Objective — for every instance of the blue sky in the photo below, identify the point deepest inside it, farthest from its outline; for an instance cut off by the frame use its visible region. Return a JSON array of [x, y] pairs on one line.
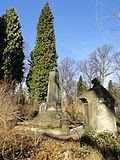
[[80, 25]]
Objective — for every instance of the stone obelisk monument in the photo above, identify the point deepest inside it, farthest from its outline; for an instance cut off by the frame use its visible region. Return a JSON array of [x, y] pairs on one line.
[[50, 117], [53, 94]]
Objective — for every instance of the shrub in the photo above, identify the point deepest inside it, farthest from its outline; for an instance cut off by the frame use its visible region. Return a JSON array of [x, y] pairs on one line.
[[8, 113], [17, 146], [118, 124], [20, 145], [79, 152], [105, 142], [8, 109], [75, 113]]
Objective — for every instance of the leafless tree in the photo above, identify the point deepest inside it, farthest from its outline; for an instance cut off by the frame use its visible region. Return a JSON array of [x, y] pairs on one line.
[[116, 95], [67, 73], [117, 66], [86, 70], [102, 59], [99, 64]]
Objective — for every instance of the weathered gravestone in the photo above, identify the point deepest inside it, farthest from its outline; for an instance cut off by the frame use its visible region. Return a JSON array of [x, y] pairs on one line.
[[50, 114], [53, 94], [99, 109]]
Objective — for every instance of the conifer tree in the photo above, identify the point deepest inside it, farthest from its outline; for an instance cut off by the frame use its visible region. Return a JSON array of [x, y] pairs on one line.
[[43, 57], [13, 55], [111, 88], [2, 43], [81, 87]]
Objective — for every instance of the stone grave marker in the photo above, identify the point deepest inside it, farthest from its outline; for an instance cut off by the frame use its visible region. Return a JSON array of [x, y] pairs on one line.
[[99, 109]]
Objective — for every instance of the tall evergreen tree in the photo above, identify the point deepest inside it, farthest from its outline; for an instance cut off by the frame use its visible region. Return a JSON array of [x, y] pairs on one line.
[[43, 57], [111, 88], [2, 42], [81, 87], [13, 55]]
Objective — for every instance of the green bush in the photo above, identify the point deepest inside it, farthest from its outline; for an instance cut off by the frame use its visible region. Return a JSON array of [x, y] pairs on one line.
[[104, 142], [118, 124], [79, 152]]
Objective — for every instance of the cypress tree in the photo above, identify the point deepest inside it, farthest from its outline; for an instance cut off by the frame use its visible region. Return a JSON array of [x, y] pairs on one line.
[[111, 88], [43, 57], [13, 55], [81, 87], [2, 42]]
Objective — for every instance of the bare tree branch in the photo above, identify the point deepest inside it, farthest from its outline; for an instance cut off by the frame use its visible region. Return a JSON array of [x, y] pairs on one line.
[[67, 72], [99, 64]]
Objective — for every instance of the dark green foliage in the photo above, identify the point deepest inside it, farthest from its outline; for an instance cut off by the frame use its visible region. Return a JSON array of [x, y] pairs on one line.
[[81, 87], [111, 88], [43, 57], [105, 142], [114, 90], [2, 42], [118, 126], [78, 153], [12, 51]]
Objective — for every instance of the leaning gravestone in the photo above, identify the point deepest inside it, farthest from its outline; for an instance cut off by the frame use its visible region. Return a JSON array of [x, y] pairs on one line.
[[99, 109], [50, 117]]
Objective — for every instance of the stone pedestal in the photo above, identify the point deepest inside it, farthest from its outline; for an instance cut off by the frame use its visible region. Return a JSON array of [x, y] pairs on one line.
[[50, 120]]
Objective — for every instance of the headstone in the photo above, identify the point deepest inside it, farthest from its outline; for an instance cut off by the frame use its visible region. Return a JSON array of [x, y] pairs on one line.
[[42, 107], [53, 94], [99, 109]]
